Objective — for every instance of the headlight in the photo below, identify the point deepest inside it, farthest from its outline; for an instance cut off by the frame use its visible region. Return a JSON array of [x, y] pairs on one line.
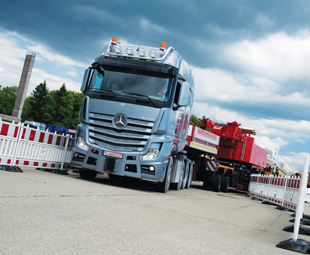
[[152, 153], [80, 142]]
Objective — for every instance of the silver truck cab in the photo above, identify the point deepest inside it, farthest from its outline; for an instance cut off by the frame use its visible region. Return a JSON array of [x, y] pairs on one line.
[[135, 114]]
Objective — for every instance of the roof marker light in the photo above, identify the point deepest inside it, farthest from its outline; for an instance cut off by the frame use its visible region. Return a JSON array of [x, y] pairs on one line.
[[117, 48], [114, 39], [129, 50], [153, 53], [163, 46], [141, 52]]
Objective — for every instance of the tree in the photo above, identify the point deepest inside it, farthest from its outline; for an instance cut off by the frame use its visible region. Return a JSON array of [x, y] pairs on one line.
[[195, 121], [7, 99], [26, 110], [64, 107], [38, 102], [78, 98], [57, 107]]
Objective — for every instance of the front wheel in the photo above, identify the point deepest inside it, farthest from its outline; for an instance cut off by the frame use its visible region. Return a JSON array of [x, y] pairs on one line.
[[87, 174], [165, 185]]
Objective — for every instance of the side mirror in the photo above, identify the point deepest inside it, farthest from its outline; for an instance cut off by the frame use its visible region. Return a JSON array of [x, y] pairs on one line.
[[85, 80], [184, 94]]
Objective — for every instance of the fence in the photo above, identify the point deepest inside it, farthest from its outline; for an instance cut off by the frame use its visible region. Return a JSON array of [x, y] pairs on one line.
[[25, 146], [282, 191]]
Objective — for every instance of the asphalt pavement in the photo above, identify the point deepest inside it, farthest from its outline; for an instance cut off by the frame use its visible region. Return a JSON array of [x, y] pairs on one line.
[[47, 213]]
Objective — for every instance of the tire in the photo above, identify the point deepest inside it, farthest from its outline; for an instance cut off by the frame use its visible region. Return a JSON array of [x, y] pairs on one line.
[[217, 183], [190, 176], [179, 184], [88, 174], [185, 178], [209, 180], [225, 185], [165, 185]]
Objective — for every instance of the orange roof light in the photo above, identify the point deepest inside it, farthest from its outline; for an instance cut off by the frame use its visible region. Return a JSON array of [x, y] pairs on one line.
[[163, 45], [114, 39]]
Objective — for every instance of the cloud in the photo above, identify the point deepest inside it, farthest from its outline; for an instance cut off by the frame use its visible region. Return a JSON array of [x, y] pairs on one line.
[[13, 49], [278, 56], [48, 55], [72, 73], [53, 82], [294, 160], [249, 94], [11, 60], [286, 130], [272, 144], [148, 26], [263, 20]]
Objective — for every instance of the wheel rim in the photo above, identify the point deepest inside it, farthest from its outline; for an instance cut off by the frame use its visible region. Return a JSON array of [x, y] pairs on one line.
[[168, 177]]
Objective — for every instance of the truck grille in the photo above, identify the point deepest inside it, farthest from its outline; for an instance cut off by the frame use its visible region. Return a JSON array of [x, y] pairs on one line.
[[132, 138]]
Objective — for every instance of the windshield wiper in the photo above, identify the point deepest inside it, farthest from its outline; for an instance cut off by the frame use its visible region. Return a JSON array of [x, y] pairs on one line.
[[108, 90], [141, 95]]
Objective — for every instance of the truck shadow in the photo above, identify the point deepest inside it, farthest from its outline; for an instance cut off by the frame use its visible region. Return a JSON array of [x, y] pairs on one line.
[[232, 191], [123, 182]]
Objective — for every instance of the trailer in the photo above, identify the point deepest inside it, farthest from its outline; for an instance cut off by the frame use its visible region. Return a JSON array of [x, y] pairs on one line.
[[237, 158]]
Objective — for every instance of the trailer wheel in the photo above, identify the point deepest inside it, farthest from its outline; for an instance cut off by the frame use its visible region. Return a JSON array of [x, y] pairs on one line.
[[87, 174], [190, 176], [225, 186], [165, 185], [217, 183], [209, 180]]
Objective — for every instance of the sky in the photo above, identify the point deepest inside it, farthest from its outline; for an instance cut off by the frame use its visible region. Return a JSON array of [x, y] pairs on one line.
[[250, 59]]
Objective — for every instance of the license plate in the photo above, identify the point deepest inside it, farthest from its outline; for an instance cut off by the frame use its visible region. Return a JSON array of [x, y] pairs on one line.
[[112, 154]]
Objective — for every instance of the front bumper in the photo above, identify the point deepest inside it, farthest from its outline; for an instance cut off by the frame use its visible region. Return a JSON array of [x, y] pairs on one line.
[[128, 165]]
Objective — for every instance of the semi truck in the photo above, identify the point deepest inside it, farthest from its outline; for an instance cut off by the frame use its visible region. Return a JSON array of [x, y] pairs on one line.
[[135, 122], [135, 115]]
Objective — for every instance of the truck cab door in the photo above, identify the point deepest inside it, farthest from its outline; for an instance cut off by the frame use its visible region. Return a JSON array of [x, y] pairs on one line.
[[181, 110]]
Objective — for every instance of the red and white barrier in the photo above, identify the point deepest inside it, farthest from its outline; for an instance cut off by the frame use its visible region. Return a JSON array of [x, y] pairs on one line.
[[24, 146], [283, 191]]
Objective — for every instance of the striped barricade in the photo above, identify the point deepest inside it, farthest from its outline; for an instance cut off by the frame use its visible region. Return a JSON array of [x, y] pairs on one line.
[[25, 146], [8, 141], [282, 191]]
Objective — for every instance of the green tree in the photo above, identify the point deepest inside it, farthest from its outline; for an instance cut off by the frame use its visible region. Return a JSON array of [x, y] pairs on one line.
[[26, 109], [78, 98], [38, 102], [7, 99], [57, 107], [195, 121], [64, 107]]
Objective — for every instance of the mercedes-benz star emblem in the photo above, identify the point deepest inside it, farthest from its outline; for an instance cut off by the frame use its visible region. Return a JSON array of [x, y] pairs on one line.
[[120, 121]]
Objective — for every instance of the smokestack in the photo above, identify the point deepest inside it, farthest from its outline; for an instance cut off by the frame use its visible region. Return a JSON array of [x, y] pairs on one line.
[[23, 84]]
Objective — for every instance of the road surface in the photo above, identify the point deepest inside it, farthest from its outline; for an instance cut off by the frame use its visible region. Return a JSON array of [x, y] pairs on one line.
[[47, 213]]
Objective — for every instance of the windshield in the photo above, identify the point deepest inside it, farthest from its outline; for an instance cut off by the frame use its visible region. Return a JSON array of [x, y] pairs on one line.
[[152, 88]]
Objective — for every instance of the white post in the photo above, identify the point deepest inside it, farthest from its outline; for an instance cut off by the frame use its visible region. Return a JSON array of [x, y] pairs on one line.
[[65, 152], [301, 198], [18, 138]]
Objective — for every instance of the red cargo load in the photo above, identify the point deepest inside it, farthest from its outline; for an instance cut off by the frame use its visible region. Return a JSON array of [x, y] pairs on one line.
[[236, 144]]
